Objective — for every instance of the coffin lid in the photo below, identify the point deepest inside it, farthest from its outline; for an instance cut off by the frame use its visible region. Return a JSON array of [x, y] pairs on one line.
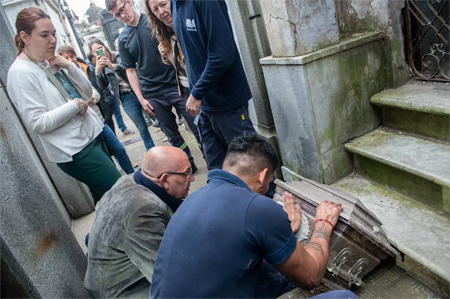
[[354, 213]]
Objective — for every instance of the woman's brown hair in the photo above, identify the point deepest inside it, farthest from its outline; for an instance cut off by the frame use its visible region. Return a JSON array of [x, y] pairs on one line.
[[159, 29], [112, 56], [26, 21]]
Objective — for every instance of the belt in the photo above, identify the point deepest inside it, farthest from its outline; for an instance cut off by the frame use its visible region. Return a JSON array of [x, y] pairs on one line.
[[129, 91]]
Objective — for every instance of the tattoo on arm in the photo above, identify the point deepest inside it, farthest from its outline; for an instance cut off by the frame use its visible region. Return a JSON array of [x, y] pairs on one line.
[[322, 233], [315, 246]]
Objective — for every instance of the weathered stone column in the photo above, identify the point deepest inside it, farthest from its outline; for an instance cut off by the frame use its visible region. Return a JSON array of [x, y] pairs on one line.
[[297, 27], [37, 246], [251, 38]]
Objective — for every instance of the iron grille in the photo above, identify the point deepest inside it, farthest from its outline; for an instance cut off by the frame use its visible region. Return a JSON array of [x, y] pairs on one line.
[[427, 36]]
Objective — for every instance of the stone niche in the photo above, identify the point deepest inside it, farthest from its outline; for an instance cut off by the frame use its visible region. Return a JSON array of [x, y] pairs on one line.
[[357, 244], [321, 100]]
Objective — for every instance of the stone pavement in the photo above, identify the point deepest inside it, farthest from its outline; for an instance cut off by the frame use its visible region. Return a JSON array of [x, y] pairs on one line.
[[136, 151]]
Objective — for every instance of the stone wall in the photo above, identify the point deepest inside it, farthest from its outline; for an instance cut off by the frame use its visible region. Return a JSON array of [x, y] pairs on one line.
[[320, 94], [320, 102]]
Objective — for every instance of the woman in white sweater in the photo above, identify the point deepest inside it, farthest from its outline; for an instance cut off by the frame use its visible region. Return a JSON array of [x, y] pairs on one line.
[[68, 129]]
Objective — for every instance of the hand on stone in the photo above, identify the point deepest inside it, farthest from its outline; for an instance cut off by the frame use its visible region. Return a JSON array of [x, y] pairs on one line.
[[329, 210], [293, 210]]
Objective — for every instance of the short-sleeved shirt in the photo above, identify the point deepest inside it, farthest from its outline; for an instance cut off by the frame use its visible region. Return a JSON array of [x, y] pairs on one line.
[[139, 49], [214, 245]]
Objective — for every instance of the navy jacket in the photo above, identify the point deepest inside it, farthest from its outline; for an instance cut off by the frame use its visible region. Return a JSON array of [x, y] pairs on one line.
[[214, 66]]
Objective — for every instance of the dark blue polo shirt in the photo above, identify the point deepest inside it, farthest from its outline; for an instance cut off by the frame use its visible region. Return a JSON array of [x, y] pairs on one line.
[[214, 67], [215, 242]]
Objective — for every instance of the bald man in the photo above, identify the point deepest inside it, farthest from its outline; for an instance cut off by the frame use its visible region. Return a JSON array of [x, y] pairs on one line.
[[130, 221]]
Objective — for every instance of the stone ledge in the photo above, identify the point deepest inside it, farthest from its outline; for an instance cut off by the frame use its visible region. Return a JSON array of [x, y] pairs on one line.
[[421, 97], [414, 229], [424, 158], [345, 44]]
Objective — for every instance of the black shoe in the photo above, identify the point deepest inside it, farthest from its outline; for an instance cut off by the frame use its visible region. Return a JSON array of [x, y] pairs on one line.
[[194, 167]]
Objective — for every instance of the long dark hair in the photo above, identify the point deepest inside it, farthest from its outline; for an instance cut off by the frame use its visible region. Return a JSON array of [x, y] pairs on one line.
[[159, 29], [26, 21], [111, 55]]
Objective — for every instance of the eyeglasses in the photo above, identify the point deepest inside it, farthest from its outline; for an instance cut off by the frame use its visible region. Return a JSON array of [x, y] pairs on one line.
[[120, 11], [188, 173]]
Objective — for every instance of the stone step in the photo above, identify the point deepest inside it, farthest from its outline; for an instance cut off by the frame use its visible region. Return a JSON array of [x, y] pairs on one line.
[[413, 166], [418, 107], [420, 233]]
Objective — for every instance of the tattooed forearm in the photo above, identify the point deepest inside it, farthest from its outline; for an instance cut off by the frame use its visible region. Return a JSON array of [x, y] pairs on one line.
[[315, 246], [322, 233]]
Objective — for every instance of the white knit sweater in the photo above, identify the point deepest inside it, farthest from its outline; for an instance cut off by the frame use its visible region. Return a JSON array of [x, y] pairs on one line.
[[45, 111]]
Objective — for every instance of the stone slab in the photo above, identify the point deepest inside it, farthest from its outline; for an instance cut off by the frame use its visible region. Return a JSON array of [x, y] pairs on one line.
[[424, 158], [417, 231], [345, 44], [417, 96]]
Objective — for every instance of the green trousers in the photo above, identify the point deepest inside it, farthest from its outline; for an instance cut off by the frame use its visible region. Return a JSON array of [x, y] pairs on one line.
[[94, 167]]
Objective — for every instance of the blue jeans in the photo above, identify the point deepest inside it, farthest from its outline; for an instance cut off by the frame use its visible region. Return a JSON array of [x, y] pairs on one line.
[[133, 108], [118, 115], [339, 294], [273, 284], [121, 155]]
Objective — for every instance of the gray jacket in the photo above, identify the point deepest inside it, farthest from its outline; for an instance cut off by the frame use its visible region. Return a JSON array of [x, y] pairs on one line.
[[124, 240]]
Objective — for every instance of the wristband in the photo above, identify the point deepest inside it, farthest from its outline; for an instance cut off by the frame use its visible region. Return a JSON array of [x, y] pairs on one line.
[[325, 221]]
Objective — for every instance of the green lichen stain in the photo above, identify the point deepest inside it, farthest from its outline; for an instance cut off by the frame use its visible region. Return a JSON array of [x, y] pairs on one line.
[[400, 73], [360, 73]]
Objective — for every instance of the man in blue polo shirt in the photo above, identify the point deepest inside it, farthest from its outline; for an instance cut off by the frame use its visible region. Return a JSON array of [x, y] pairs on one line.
[[217, 81], [225, 237]]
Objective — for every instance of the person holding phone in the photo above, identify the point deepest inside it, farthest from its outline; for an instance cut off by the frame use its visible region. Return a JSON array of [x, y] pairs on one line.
[[120, 154], [68, 128], [109, 72]]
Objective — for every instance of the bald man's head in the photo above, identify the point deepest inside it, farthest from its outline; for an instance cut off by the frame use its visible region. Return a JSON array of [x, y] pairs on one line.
[[163, 158], [169, 167]]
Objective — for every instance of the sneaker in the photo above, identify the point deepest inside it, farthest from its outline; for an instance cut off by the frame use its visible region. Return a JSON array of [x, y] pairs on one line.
[[135, 165], [127, 132], [194, 167], [180, 121], [165, 139]]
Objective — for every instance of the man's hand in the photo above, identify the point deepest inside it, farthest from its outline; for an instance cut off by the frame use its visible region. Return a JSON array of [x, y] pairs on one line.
[[293, 210], [329, 210], [193, 105], [147, 106], [59, 61]]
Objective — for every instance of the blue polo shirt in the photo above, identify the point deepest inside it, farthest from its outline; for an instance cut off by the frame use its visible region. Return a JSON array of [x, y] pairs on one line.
[[215, 242]]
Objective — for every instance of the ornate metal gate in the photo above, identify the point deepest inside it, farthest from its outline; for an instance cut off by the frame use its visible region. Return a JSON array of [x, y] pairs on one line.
[[427, 37]]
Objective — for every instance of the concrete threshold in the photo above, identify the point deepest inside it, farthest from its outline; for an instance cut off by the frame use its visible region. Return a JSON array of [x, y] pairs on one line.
[[427, 159], [421, 233]]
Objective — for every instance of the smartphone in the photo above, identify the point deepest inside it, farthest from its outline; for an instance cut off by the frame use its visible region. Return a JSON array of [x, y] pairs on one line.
[[99, 52]]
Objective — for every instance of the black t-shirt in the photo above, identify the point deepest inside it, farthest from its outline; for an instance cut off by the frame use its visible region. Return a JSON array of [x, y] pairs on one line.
[[139, 49]]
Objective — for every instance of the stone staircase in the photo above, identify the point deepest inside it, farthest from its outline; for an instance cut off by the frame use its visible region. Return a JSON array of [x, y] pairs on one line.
[[402, 174]]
